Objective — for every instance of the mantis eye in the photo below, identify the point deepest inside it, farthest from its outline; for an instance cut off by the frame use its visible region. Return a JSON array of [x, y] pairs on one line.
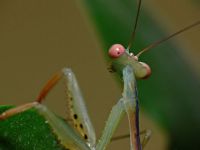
[[148, 70], [116, 50]]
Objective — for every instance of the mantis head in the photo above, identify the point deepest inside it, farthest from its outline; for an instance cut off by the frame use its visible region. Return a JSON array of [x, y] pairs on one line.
[[121, 57]]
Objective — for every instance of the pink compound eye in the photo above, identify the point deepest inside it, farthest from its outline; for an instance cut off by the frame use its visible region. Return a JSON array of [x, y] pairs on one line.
[[116, 50]]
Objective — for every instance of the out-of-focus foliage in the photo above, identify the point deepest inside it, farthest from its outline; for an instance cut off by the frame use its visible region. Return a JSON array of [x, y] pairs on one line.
[[171, 95]]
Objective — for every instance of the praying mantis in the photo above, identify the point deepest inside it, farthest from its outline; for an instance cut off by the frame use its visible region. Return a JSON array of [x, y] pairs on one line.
[[78, 132]]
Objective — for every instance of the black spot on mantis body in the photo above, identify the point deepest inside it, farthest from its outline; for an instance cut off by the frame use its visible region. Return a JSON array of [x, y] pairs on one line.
[[75, 116], [81, 126], [85, 137]]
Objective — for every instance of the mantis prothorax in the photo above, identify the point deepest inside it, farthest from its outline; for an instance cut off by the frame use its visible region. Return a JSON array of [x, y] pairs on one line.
[[78, 132]]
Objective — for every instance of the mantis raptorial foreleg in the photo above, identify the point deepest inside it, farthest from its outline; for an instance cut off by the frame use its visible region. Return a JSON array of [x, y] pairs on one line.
[[76, 110], [63, 131], [116, 114], [78, 132], [129, 104], [48, 86], [67, 134]]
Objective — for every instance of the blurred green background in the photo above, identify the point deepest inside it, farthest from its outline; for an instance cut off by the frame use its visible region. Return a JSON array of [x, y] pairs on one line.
[[39, 37]]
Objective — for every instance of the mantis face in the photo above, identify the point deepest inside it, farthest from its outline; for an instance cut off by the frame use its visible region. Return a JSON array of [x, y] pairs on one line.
[[121, 58]]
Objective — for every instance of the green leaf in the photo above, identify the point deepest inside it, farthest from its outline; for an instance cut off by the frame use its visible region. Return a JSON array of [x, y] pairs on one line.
[[26, 131], [171, 95]]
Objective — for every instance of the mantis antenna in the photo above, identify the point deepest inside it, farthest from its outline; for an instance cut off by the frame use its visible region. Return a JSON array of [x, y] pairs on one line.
[[156, 43], [135, 25]]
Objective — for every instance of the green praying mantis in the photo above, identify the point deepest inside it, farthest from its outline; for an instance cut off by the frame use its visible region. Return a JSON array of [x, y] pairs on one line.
[[77, 131]]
